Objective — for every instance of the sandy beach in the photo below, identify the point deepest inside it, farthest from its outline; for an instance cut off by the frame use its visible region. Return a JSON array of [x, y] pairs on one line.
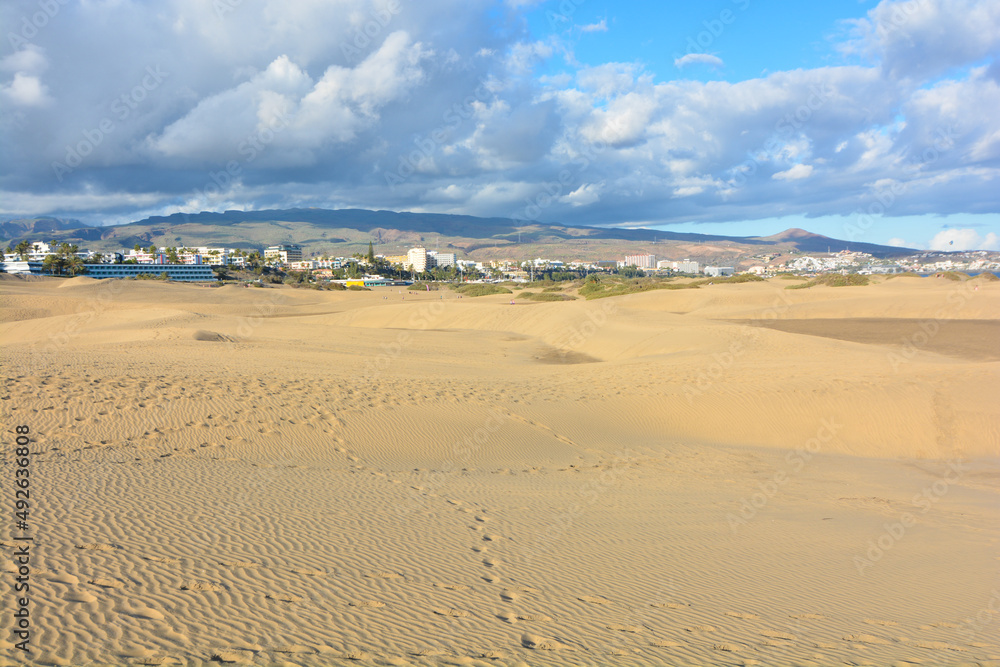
[[739, 474]]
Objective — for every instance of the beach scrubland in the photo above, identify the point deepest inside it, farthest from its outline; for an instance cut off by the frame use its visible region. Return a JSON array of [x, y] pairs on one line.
[[732, 473]]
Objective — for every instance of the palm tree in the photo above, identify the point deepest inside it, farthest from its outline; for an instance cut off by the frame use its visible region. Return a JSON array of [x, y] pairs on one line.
[[22, 249]]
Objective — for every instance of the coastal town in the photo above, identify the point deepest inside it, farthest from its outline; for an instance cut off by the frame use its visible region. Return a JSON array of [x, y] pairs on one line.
[[213, 264]]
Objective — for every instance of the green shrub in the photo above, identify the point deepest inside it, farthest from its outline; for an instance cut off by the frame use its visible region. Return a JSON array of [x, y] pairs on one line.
[[423, 287], [605, 286], [834, 280], [358, 288], [988, 277], [738, 278], [482, 289], [545, 296]]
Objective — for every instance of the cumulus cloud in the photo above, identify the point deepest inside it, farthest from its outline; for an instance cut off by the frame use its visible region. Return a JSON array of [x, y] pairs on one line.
[[583, 195], [26, 91], [964, 239], [698, 58], [922, 38], [798, 172], [284, 98]]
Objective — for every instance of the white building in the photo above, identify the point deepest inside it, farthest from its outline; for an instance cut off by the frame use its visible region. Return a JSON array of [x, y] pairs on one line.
[[283, 253], [416, 260], [221, 256], [641, 261], [718, 271], [685, 266], [182, 272], [39, 250], [444, 258], [304, 265], [23, 268]]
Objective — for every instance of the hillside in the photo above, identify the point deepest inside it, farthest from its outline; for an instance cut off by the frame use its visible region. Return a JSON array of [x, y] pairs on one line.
[[346, 231], [22, 228]]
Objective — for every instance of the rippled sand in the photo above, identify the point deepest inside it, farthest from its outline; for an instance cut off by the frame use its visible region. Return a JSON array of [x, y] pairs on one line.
[[297, 477]]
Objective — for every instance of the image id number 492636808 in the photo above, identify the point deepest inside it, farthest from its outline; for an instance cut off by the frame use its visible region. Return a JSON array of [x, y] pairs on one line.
[[22, 554]]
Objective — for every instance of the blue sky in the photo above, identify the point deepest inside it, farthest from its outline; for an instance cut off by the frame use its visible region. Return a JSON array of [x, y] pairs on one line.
[[751, 37], [872, 119]]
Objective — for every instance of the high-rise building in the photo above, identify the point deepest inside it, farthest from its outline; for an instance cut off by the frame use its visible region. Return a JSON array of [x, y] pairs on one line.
[[416, 259], [442, 258], [284, 253], [641, 261]]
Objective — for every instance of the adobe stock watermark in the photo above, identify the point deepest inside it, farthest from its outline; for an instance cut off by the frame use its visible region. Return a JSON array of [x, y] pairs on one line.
[[929, 328], [86, 313], [551, 191], [885, 197], [590, 492], [122, 107], [575, 336], [900, 14], [714, 28], [796, 461], [567, 8], [723, 361], [893, 533], [984, 618], [420, 320], [785, 128], [224, 7], [428, 144], [246, 325], [640, 617], [462, 454], [29, 26], [250, 148], [365, 34]]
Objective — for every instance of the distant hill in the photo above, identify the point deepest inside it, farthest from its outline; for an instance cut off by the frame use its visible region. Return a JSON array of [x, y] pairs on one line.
[[808, 242], [36, 227], [346, 231]]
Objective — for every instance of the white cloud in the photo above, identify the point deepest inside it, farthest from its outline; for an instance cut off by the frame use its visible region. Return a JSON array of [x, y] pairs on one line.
[[29, 60], [922, 38], [796, 173], [523, 56], [583, 195], [601, 26], [698, 58], [333, 109], [964, 239], [26, 91]]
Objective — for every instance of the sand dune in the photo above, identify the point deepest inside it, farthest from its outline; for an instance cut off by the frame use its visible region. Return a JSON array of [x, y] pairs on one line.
[[709, 476]]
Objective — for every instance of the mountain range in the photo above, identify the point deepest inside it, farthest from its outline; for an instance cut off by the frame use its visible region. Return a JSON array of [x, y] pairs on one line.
[[346, 231]]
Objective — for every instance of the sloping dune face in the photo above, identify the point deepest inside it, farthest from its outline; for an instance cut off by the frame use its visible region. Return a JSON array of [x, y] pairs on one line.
[[735, 474]]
